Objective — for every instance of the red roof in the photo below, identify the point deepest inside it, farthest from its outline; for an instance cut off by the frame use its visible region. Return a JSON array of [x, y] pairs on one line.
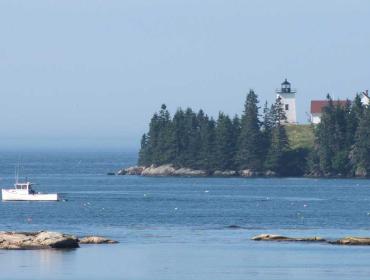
[[317, 106]]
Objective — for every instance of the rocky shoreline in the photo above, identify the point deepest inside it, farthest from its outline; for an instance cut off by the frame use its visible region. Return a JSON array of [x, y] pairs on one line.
[[170, 170], [46, 240]]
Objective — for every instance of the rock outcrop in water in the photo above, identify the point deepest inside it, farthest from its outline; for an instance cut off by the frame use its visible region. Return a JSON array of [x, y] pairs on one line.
[[350, 240], [96, 240], [37, 240], [273, 237], [46, 240]]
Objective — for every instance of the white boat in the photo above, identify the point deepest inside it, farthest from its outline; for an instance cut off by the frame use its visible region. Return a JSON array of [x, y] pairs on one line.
[[24, 192]]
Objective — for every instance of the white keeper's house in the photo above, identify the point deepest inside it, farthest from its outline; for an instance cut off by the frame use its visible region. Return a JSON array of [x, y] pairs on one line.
[[365, 98], [317, 106]]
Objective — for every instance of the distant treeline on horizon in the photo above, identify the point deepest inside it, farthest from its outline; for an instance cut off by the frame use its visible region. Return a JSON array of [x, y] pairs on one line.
[[259, 142]]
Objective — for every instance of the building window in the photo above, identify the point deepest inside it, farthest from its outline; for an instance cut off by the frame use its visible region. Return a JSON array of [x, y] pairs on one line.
[[286, 107]]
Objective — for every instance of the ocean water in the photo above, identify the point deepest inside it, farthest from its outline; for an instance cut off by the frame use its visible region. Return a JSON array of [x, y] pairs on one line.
[[181, 228]]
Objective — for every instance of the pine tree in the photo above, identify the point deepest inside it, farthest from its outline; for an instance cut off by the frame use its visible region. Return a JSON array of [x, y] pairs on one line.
[[324, 138], [144, 157], [225, 148], [354, 113], [249, 154], [267, 126], [361, 151], [335, 138], [236, 123], [206, 156], [187, 138], [165, 149], [152, 140], [279, 140]]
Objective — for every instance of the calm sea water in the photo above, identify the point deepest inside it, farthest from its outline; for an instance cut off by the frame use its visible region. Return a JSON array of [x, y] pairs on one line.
[[182, 228]]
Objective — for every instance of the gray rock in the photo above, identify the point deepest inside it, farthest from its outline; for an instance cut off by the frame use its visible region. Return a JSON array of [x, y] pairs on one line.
[[133, 170], [96, 240], [273, 237], [351, 240], [37, 240], [162, 170], [248, 173], [225, 173], [189, 172], [361, 172], [270, 173]]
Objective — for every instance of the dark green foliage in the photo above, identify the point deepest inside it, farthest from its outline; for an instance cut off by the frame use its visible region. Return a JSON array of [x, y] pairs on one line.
[[267, 126], [206, 158], [250, 147], [279, 144], [225, 144], [294, 162], [361, 149], [144, 154], [340, 145]]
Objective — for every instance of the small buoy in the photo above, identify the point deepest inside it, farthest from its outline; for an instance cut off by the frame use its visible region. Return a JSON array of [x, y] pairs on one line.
[[176, 209]]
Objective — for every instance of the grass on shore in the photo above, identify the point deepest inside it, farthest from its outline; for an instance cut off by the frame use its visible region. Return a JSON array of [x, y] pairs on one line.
[[301, 136]]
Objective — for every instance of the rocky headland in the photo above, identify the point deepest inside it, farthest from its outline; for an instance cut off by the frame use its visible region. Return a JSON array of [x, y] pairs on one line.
[[46, 240], [170, 170]]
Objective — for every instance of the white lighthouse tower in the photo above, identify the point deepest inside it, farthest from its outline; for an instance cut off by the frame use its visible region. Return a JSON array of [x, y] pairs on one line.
[[287, 96]]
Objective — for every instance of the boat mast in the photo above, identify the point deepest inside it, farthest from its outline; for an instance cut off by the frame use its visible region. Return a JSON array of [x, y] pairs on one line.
[[16, 173]]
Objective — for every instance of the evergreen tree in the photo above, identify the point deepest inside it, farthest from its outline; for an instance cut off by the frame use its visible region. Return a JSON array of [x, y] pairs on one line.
[[267, 126], [152, 140], [324, 138], [206, 156], [165, 149], [354, 113], [249, 154], [279, 140], [335, 138], [144, 157], [236, 123], [187, 138], [225, 148], [361, 151]]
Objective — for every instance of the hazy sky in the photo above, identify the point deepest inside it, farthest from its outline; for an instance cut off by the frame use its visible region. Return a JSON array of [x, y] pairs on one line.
[[91, 73]]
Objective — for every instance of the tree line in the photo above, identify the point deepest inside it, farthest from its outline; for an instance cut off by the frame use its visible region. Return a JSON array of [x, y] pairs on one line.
[[191, 139], [259, 142]]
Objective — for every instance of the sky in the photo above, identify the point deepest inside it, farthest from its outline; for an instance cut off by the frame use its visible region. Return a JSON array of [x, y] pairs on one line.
[[90, 74]]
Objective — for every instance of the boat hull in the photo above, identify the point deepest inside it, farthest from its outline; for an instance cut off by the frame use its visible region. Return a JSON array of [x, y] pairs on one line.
[[10, 195]]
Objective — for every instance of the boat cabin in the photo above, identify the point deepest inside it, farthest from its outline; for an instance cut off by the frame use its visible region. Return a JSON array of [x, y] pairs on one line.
[[24, 187]]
